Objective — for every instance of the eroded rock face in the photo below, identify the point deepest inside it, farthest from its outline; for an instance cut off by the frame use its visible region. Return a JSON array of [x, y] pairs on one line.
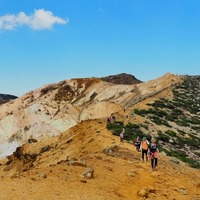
[[53, 109]]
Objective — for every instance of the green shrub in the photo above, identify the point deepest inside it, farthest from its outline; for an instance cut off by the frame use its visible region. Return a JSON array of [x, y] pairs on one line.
[[141, 112], [177, 112], [197, 153], [164, 122], [171, 117], [181, 132], [156, 120], [115, 127], [181, 156], [192, 143], [144, 126], [161, 113], [195, 120], [161, 136], [134, 126], [170, 133], [131, 130], [181, 123], [159, 121], [180, 142]]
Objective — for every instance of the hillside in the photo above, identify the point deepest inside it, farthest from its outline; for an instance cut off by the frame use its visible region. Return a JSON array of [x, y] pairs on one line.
[[54, 108], [125, 79], [67, 150], [88, 162], [174, 120]]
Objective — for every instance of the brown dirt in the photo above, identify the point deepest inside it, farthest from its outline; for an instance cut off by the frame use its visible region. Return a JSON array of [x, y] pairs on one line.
[[118, 171]]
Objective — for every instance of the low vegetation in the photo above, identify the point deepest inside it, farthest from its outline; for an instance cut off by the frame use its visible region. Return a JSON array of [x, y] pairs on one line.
[[179, 117]]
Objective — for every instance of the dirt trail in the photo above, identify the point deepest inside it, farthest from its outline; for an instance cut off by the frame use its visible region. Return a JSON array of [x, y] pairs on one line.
[[119, 173]]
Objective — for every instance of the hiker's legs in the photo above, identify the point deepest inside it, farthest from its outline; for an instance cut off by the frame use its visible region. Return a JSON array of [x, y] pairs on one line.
[[152, 163], [146, 155], [143, 154], [156, 161], [138, 147]]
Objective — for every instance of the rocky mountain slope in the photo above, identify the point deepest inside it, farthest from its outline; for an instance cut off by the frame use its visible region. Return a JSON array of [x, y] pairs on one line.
[[67, 150], [175, 121], [54, 108]]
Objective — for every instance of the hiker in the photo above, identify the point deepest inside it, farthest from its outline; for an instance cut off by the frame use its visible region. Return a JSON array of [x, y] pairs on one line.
[[153, 152], [112, 118], [108, 119], [144, 148], [137, 143], [121, 135]]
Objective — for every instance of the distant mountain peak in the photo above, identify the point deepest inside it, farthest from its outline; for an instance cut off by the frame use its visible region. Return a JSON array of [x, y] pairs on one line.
[[7, 97], [123, 78]]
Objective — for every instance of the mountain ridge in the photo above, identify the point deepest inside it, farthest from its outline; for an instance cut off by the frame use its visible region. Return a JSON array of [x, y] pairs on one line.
[[54, 108], [64, 148]]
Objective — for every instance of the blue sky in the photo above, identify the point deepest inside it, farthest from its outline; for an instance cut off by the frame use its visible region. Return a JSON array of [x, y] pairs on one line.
[[43, 42]]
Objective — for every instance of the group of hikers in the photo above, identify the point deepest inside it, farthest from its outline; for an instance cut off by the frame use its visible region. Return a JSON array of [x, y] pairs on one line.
[[148, 149], [111, 118]]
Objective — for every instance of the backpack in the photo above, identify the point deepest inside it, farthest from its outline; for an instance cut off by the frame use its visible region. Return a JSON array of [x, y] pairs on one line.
[[144, 145], [153, 148]]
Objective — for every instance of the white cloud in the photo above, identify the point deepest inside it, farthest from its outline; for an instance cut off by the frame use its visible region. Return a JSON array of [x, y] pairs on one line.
[[39, 20]]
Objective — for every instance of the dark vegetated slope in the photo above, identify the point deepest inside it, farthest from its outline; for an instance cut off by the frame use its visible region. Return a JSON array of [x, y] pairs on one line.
[[6, 97], [126, 79], [176, 122]]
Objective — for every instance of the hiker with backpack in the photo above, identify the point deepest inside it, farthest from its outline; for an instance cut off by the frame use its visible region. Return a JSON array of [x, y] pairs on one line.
[[153, 152], [144, 148], [121, 135]]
